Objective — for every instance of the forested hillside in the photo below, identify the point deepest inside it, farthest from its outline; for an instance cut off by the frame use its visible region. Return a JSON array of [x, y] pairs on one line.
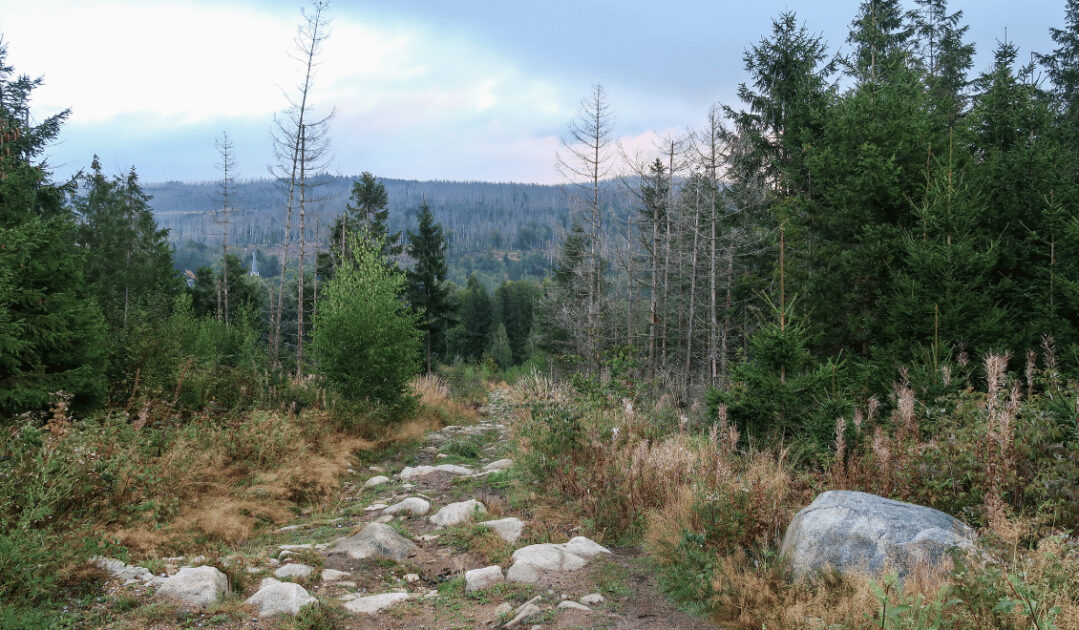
[[498, 231]]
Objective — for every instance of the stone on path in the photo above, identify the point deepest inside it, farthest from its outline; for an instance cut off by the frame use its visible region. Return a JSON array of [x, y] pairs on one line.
[[376, 540], [333, 575], [410, 472], [572, 605], [199, 586], [279, 598], [501, 464], [373, 603], [120, 570], [413, 505], [593, 599], [585, 547], [374, 507], [858, 532], [532, 563], [460, 512], [377, 480], [508, 529], [293, 571], [478, 579], [524, 611]]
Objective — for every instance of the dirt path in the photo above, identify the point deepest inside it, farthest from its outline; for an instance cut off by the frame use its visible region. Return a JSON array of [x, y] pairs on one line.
[[427, 589]]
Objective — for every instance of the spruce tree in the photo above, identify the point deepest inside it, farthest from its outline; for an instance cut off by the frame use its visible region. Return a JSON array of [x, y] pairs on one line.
[[470, 337], [427, 289], [52, 338]]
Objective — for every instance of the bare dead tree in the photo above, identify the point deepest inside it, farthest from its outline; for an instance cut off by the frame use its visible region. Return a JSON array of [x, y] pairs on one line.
[[585, 161], [221, 217], [300, 147]]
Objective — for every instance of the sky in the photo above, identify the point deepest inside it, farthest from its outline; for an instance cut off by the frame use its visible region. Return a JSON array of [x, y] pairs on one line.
[[419, 89]]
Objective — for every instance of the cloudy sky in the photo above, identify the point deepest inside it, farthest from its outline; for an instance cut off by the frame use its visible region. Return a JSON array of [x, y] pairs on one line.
[[422, 89]]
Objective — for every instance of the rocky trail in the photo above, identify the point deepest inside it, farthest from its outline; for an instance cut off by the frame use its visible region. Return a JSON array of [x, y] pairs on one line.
[[423, 538]]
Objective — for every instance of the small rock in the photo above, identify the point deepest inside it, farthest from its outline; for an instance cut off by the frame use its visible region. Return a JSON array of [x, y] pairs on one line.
[[501, 464], [377, 480], [277, 598], [374, 507], [412, 578], [197, 561], [455, 513], [478, 579], [295, 547], [293, 571], [427, 537], [593, 599], [119, 570], [413, 505], [585, 547], [508, 529], [373, 603], [524, 611], [200, 586], [441, 456], [376, 540], [572, 605], [333, 575], [253, 570], [385, 518], [288, 528], [503, 609]]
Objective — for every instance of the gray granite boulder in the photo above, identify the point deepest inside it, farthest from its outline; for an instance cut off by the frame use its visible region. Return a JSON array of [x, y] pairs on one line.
[[855, 532], [199, 586], [376, 540], [279, 598]]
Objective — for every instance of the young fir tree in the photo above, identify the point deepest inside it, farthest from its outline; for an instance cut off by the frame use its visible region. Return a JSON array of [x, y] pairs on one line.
[[52, 337], [427, 289], [499, 348], [517, 311], [366, 209]]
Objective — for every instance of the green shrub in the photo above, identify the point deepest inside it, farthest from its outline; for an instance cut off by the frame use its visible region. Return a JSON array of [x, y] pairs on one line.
[[366, 339]]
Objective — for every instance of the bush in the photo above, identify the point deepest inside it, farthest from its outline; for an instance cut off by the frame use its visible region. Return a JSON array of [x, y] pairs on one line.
[[366, 339]]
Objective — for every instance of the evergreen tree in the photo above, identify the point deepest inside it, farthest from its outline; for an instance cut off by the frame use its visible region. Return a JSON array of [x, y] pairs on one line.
[[128, 259], [517, 312], [470, 337], [945, 57], [427, 290], [499, 349], [52, 337]]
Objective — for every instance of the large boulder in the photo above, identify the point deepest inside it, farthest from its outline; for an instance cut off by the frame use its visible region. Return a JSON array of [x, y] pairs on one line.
[[533, 563], [412, 505], [376, 540], [199, 586], [855, 532], [279, 598], [456, 513]]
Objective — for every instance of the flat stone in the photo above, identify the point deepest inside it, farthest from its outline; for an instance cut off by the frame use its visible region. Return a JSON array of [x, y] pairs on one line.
[[280, 598], [572, 605], [412, 505], [585, 548], [293, 571], [415, 472], [295, 547], [198, 586], [120, 570], [501, 464], [412, 578], [288, 528], [478, 579], [593, 599], [460, 512], [855, 532], [377, 480], [374, 507], [508, 529], [502, 609], [333, 575], [374, 603], [376, 540], [522, 613], [532, 563]]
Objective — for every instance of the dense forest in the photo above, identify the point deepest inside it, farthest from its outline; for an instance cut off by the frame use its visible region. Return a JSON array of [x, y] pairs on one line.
[[863, 275]]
